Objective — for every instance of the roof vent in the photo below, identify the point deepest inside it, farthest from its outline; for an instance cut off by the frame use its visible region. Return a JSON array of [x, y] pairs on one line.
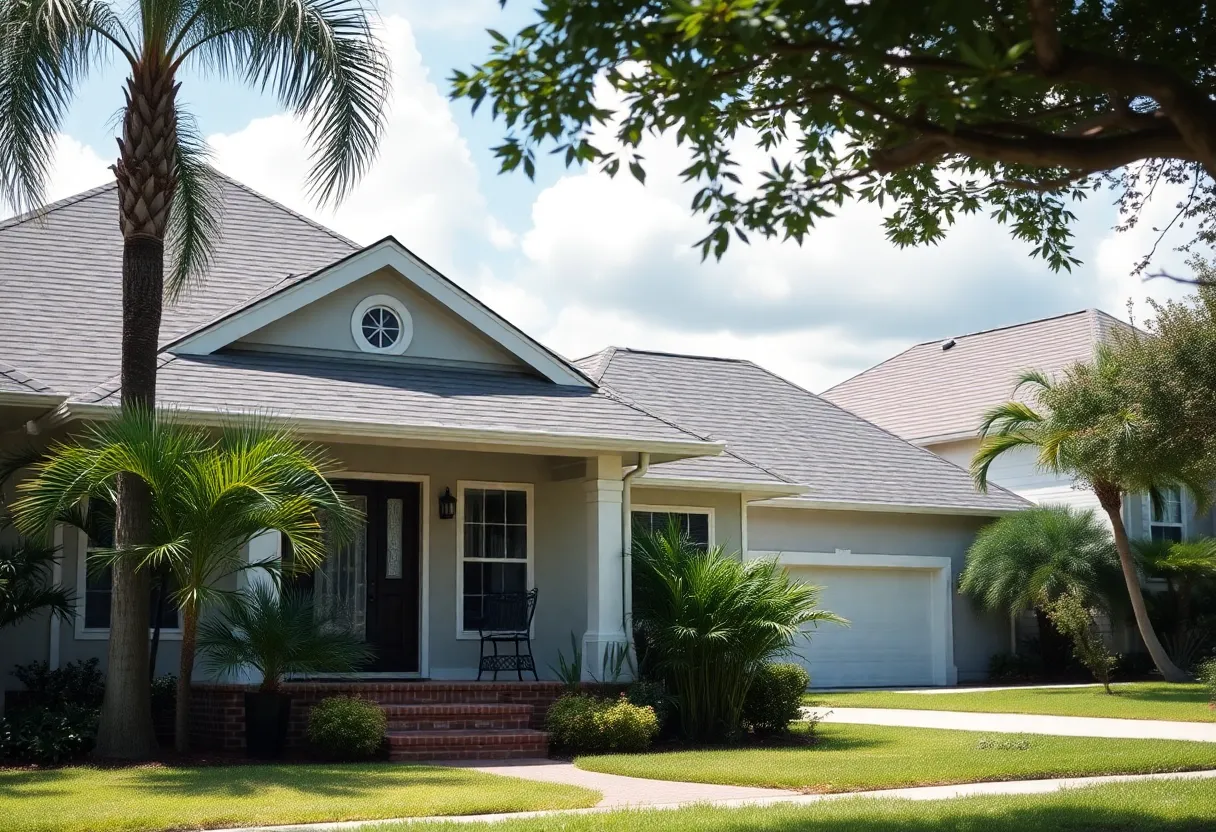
[[948, 343]]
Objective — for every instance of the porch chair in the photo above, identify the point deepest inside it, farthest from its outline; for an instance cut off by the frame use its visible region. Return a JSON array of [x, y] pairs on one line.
[[507, 619]]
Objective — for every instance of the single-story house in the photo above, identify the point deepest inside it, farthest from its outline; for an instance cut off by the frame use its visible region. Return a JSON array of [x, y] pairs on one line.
[[421, 391]]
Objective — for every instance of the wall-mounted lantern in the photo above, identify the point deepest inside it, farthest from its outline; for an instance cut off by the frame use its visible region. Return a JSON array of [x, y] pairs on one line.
[[447, 505]]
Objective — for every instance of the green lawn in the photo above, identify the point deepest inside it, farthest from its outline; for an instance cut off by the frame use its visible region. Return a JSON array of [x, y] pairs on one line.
[[1177, 806], [1133, 700], [156, 798], [860, 757]]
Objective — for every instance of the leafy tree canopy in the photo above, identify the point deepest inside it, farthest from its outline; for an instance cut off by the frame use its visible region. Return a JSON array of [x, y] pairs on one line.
[[946, 107]]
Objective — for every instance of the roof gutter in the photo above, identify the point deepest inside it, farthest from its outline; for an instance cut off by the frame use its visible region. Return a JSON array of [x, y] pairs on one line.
[[890, 508], [627, 544]]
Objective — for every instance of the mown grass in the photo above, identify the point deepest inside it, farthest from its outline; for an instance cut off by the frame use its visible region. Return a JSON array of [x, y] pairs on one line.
[[84, 799], [1161, 806], [1131, 700], [864, 757]]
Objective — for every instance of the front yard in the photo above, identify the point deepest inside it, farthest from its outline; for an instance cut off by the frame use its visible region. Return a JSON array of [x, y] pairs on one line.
[[1131, 700], [83, 799], [1175, 806], [861, 757]]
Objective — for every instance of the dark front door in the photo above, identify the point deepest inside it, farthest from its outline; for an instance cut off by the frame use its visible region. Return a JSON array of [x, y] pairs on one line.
[[393, 545]]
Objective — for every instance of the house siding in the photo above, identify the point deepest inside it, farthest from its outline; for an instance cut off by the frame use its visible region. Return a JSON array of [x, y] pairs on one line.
[[977, 635]]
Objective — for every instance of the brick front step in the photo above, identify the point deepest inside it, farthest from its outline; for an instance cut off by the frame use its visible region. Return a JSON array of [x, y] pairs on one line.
[[457, 717], [510, 744]]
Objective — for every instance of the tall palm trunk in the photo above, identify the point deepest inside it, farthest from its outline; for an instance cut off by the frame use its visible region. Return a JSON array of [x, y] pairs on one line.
[[146, 181], [1111, 500], [181, 715]]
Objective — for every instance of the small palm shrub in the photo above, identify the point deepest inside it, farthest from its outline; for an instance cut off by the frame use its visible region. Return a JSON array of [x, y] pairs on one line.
[[1074, 620], [774, 699], [344, 728], [586, 724], [709, 620]]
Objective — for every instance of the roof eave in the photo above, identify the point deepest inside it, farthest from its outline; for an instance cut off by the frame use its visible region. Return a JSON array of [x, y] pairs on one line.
[[892, 508], [762, 489], [668, 449]]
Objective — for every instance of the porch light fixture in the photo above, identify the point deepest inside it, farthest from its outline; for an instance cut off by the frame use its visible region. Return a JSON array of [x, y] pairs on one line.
[[447, 505]]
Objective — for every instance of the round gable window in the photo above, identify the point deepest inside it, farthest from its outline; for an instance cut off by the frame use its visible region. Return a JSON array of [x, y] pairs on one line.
[[382, 324]]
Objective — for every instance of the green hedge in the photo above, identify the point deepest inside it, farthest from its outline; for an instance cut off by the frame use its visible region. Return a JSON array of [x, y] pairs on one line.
[[586, 724]]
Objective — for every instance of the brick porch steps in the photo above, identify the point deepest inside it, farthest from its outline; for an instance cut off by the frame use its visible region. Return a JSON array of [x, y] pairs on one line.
[[481, 744], [458, 716]]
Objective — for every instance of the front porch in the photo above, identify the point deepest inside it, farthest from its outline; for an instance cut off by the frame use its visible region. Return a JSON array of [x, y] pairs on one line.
[[427, 720]]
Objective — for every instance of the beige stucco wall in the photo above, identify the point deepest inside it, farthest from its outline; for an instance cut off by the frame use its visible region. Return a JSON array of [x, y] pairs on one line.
[[977, 635], [438, 333]]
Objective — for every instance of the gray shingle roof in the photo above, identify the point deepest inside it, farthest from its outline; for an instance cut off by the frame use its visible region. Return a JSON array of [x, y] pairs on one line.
[[13, 380], [926, 392], [305, 387], [771, 422], [60, 278]]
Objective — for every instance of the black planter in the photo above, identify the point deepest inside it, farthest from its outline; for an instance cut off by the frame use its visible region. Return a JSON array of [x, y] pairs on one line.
[[266, 718]]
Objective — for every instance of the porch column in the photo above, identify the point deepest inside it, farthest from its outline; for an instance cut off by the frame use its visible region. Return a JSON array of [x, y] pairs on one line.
[[605, 553]]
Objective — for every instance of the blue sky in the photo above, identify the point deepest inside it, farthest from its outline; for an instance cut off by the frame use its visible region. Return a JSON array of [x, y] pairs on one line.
[[581, 261]]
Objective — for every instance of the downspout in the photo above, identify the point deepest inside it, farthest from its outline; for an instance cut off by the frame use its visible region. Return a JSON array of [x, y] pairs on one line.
[[627, 543]]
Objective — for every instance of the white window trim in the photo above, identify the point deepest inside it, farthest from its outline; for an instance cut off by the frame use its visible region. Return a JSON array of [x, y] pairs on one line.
[[84, 633], [1184, 512], [407, 325], [461, 486], [659, 509]]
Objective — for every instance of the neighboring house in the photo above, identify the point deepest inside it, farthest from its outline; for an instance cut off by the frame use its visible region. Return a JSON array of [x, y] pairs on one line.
[[421, 391], [936, 394]]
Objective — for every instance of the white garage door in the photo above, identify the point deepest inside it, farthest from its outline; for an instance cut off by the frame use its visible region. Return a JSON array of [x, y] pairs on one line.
[[890, 638]]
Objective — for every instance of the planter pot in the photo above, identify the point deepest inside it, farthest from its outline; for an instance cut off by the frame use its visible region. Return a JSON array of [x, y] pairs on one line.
[[266, 718]]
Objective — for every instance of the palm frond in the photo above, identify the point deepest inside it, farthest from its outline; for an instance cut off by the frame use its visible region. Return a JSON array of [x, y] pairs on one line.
[[321, 59], [47, 47], [991, 448], [195, 218], [26, 588], [1033, 378]]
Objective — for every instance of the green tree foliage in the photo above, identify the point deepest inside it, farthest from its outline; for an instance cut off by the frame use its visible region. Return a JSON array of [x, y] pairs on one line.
[[211, 494], [1016, 108], [1072, 618], [710, 620], [1085, 424], [1025, 560]]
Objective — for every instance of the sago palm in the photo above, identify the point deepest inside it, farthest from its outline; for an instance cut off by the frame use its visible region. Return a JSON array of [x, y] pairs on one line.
[[1083, 425], [708, 620], [211, 493], [318, 57]]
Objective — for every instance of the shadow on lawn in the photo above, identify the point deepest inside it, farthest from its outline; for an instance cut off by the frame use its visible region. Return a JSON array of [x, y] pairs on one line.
[[329, 780]]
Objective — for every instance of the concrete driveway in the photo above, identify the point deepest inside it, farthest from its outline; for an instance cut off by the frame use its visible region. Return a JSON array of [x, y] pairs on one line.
[[1063, 726]]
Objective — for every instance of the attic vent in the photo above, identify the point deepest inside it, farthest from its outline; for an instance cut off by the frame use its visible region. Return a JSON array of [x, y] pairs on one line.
[[382, 324], [947, 344]]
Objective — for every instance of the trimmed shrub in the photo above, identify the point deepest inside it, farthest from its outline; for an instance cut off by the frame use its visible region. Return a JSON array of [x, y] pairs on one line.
[[48, 736], [80, 684], [774, 699], [585, 724], [345, 728], [653, 695], [1207, 675], [1014, 667]]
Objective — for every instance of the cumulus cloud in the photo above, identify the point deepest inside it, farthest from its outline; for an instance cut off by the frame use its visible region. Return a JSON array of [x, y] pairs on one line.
[[423, 187]]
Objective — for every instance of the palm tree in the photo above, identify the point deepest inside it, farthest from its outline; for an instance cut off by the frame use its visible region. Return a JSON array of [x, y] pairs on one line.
[[1182, 565], [321, 60], [26, 587], [708, 620], [1083, 427], [210, 495], [1027, 560]]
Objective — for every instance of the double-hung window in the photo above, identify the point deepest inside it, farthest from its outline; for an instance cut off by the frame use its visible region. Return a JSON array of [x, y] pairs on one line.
[[697, 524], [1165, 521], [494, 524], [98, 589]]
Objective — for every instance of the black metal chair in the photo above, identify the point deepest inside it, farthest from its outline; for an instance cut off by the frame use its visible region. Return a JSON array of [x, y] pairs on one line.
[[507, 619]]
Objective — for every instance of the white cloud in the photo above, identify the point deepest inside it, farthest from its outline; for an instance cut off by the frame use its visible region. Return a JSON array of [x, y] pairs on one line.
[[77, 168], [422, 188]]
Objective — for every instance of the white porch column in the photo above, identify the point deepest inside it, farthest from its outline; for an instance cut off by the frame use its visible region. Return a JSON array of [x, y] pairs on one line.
[[605, 554]]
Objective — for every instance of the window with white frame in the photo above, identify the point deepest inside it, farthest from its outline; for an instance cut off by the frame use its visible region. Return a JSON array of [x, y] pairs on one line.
[[1165, 521], [98, 585], [694, 523], [494, 523]]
